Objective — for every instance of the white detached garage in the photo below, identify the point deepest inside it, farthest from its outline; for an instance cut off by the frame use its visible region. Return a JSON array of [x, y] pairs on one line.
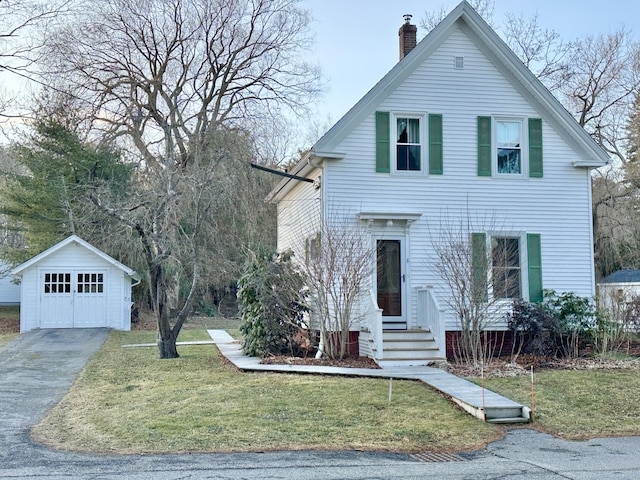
[[75, 285]]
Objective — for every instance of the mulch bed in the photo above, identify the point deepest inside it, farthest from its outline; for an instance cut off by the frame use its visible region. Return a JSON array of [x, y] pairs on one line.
[[9, 325], [506, 367], [349, 362]]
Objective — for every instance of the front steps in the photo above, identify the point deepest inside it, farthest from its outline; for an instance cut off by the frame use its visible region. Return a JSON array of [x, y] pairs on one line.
[[407, 348]]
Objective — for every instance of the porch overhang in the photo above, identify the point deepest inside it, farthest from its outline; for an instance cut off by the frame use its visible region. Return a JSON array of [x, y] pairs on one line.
[[408, 217]]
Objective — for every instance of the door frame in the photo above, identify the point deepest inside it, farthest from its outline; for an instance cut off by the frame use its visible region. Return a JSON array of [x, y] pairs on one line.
[[395, 322]]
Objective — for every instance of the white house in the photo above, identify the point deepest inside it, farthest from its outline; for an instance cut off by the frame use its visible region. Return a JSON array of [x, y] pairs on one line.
[[459, 129], [619, 293], [9, 291], [75, 285]]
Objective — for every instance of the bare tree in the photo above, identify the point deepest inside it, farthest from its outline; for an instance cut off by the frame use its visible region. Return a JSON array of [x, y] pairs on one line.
[[433, 17], [22, 23], [541, 50], [481, 276], [165, 78], [338, 267]]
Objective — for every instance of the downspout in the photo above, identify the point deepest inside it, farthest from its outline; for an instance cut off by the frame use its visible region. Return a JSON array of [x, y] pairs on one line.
[[310, 162]]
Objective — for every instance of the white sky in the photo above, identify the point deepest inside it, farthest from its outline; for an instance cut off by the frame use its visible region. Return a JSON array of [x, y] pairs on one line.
[[357, 40]]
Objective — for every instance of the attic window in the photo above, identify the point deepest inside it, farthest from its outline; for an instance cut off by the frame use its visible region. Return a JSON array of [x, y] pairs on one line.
[[458, 63]]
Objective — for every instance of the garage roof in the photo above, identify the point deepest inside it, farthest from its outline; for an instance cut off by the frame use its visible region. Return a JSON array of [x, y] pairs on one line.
[[74, 238]]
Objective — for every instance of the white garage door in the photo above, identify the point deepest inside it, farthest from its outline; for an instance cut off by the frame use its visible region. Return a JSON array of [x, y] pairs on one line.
[[73, 299]]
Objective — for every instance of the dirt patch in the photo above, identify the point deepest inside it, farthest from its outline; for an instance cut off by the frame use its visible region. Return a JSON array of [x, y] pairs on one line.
[[9, 325], [349, 362]]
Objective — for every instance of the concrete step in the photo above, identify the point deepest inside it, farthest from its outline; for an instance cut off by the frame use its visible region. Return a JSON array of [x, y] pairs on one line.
[[507, 420], [407, 362], [402, 353], [410, 345], [406, 335]]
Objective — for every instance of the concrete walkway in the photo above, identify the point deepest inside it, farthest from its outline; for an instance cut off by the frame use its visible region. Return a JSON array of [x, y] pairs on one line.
[[479, 402]]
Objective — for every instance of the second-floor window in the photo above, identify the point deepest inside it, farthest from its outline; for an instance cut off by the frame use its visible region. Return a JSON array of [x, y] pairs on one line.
[[408, 146], [509, 144]]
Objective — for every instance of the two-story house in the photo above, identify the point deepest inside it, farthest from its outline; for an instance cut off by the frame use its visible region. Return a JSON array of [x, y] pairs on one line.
[[458, 130]]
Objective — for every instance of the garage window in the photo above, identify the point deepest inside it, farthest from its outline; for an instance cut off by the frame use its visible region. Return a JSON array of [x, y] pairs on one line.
[[57, 283], [90, 283]]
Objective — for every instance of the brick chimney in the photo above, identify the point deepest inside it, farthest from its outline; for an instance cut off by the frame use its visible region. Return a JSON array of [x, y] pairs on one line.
[[407, 34]]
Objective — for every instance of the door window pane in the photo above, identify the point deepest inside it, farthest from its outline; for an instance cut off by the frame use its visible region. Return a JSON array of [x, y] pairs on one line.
[[57, 283], [90, 283], [389, 278]]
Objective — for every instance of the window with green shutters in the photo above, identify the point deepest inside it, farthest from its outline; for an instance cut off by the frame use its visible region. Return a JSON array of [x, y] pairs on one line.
[[501, 146], [400, 146], [506, 270]]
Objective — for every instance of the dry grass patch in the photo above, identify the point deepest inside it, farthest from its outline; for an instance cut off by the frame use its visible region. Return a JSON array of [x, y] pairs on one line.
[[9, 323], [127, 401], [579, 404]]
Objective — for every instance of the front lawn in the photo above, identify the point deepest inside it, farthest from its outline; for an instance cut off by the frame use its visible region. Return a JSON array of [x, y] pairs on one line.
[[127, 400], [579, 404]]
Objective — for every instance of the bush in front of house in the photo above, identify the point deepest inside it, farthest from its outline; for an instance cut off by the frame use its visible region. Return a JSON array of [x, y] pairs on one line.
[[563, 325], [271, 303]]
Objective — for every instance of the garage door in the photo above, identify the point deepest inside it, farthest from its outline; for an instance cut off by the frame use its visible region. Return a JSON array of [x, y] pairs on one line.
[[73, 299]]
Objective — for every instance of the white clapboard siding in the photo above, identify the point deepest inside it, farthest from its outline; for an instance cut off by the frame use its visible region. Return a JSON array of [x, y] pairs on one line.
[[556, 206], [299, 215]]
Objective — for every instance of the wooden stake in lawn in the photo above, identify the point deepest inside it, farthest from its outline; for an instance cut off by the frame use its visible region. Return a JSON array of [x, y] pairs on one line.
[[390, 389], [533, 397], [484, 411]]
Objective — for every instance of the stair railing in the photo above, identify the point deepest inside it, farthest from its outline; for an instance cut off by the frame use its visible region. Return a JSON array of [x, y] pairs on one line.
[[431, 317], [374, 321]]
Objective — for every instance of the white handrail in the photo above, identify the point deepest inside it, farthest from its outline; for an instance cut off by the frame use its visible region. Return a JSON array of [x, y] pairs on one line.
[[374, 319], [431, 316]]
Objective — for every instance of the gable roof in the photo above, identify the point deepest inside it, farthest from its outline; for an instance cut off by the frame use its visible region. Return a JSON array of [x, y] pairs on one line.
[[485, 38], [623, 276], [75, 239]]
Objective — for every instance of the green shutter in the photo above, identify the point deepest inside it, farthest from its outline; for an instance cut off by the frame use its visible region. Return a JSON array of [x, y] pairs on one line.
[[479, 267], [435, 144], [383, 142], [484, 146], [535, 147], [534, 256]]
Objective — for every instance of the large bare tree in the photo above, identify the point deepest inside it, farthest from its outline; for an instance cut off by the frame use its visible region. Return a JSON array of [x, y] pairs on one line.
[[179, 83]]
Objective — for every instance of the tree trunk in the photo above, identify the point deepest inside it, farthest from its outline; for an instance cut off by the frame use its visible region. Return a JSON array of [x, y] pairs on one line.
[[166, 339]]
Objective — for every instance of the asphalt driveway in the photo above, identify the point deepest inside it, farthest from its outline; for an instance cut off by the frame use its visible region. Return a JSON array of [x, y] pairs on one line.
[[38, 368]]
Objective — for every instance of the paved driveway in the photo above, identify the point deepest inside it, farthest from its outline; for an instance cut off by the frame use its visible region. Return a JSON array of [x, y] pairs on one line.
[[38, 368]]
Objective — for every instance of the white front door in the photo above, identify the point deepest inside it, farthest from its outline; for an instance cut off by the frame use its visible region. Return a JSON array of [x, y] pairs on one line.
[[390, 282], [73, 298]]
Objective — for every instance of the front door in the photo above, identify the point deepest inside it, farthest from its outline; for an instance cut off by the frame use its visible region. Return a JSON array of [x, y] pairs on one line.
[[390, 281]]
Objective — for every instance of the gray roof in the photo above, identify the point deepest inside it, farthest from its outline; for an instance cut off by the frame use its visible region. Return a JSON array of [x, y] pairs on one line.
[[623, 276]]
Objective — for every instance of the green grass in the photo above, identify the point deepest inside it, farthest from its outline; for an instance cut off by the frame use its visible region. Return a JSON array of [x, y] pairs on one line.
[[129, 401], [579, 404]]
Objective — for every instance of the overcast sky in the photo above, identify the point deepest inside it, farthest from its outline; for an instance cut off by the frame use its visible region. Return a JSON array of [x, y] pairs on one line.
[[357, 40]]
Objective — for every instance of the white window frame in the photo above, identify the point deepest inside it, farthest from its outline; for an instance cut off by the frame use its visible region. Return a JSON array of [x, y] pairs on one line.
[[524, 263], [524, 146], [424, 144]]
